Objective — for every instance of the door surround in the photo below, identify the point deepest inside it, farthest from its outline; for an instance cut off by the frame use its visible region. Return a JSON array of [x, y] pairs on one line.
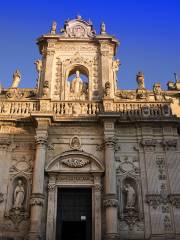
[[74, 169]]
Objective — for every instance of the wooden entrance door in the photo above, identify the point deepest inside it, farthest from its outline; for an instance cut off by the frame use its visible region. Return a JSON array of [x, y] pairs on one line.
[[74, 214]]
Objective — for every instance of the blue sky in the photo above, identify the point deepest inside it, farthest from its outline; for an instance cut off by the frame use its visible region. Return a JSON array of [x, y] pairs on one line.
[[148, 30]]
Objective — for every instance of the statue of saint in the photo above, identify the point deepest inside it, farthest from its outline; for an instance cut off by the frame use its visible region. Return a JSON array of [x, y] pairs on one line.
[[16, 79], [19, 195], [157, 91], [115, 67], [140, 80], [130, 197], [77, 85], [103, 28], [53, 28], [38, 64]]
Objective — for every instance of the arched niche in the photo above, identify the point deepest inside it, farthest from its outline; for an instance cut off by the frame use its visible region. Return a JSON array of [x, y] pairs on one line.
[[78, 83]]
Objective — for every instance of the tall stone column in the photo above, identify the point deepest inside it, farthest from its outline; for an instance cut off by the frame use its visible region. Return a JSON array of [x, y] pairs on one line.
[[37, 197], [110, 200]]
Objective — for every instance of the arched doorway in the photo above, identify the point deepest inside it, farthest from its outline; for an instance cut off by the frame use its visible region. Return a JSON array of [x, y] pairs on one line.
[[75, 185]]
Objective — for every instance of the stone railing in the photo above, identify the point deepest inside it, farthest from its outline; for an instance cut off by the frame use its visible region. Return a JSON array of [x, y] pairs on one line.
[[23, 108], [85, 108], [138, 109], [76, 108]]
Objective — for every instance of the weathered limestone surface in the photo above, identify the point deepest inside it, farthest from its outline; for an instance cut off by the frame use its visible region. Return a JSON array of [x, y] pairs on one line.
[[75, 129]]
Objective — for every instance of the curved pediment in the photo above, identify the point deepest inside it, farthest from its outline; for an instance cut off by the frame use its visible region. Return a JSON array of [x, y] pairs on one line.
[[74, 161], [78, 28]]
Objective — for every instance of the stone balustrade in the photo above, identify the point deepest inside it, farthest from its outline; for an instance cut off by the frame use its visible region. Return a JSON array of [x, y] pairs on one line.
[[85, 108]]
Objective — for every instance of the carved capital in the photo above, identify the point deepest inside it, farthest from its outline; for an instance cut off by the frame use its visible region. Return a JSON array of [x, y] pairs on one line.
[[110, 202], [148, 144], [51, 187], [37, 199], [175, 200], [169, 144], [153, 200], [98, 187], [109, 142], [41, 139]]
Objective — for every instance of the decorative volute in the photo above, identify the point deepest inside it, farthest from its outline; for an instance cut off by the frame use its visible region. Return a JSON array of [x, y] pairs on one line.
[[76, 53]]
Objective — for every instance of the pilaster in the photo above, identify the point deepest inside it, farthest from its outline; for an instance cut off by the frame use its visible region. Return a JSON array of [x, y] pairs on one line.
[[110, 202], [37, 197]]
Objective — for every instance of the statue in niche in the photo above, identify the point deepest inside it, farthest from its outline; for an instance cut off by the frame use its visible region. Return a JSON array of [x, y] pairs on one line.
[[19, 195], [16, 79], [130, 196], [78, 89]]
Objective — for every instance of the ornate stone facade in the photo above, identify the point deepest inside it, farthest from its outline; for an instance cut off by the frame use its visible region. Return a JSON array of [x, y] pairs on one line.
[[76, 130]]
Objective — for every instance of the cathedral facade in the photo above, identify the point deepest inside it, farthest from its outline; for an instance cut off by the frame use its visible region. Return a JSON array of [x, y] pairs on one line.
[[81, 159]]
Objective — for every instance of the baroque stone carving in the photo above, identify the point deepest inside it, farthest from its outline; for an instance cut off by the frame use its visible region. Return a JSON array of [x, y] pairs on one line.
[[16, 79], [51, 187], [77, 89], [75, 143], [19, 195], [175, 200], [75, 163], [38, 64], [130, 196], [37, 199], [110, 203], [17, 216], [53, 28], [1, 197], [41, 139], [78, 28]]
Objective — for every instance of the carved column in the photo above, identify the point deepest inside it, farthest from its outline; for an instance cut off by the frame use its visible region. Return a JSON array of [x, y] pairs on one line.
[[110, 201], [37, 197]]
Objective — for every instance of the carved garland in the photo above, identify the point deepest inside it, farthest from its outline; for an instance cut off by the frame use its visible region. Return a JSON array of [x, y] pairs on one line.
[[75, 162]]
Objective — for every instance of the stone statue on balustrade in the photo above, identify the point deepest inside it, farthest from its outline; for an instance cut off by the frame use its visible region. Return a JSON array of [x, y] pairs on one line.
[[38, 64], [77, 89], [19, 195], [16, 79], [115, 67]]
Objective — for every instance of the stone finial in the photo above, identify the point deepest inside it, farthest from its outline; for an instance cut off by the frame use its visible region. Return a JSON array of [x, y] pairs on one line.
[[176, 77], [103, 28], [16, 79], [140, 80], [53, 28]]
